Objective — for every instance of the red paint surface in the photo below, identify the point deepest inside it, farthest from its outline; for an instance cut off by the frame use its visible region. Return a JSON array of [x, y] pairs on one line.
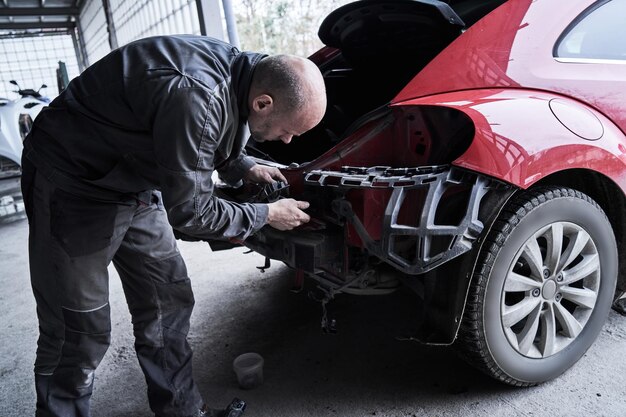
[[501, 70], [519, 140], [502, 74], [512, 47]]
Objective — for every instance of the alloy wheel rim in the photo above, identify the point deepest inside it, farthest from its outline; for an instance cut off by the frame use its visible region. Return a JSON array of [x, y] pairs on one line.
[[550, 290]]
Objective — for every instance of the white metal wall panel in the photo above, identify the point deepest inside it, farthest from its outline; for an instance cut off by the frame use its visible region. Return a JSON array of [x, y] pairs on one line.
[[93, 24], [136, 19]]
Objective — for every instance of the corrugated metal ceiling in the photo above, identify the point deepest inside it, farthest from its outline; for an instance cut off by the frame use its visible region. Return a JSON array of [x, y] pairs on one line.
[[20, 15]]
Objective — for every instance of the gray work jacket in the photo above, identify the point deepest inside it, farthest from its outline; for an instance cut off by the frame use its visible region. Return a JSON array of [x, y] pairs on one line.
[[159, 113]]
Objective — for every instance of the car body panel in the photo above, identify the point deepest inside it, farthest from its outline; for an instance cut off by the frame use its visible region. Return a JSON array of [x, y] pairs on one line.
[[500, 107], [519, 139], [512, 47]]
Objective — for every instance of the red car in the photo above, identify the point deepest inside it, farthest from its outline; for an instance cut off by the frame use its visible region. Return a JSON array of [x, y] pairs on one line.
[[473, 151]]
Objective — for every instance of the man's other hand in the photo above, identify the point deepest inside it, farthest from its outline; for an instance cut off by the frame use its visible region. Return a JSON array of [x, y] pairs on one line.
[[264, 174], [287, 213]]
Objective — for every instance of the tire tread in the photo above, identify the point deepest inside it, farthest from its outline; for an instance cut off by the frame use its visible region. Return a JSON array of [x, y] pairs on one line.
[[471, 343]]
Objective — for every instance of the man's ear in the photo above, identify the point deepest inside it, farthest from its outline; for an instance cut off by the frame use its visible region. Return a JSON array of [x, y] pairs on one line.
[[263, 104]]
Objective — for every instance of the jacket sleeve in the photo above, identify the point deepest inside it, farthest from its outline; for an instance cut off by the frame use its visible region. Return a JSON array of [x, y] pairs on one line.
[[187, 127], [234, 171]]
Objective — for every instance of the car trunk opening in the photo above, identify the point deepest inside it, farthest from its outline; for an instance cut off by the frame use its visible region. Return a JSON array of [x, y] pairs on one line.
[[379, 178], [387, 206], [379, 47]]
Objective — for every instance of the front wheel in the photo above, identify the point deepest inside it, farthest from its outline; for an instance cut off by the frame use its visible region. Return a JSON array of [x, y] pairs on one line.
[[542, 287]]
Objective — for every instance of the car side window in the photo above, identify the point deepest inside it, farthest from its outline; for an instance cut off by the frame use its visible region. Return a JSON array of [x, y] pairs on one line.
[[600, 33]]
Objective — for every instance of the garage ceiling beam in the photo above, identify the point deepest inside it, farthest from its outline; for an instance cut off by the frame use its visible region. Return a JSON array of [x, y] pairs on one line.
[[37, 25], [39, 11]]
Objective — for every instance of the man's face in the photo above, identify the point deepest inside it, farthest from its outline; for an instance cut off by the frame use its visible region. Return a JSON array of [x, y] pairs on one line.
[[267, 123]]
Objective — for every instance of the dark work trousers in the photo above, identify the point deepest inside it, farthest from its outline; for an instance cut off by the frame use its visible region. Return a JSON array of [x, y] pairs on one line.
[[72, 240]]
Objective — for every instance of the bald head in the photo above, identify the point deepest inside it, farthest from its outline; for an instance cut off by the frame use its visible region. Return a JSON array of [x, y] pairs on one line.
[[288, 90], [292, 81]]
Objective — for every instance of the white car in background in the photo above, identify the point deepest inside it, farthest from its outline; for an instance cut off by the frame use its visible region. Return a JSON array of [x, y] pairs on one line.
[[16, 120]]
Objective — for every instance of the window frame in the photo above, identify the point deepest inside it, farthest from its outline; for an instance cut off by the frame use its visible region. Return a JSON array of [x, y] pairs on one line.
[[583, 15]]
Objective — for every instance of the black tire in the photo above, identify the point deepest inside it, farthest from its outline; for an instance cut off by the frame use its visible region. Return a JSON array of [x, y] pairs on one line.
[[487, 339]]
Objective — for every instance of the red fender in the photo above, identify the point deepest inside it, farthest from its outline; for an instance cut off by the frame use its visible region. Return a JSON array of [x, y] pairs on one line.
[[519, 139]]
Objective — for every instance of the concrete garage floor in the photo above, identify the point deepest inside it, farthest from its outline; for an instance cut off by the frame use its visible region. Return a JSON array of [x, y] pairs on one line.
[[361, 371]]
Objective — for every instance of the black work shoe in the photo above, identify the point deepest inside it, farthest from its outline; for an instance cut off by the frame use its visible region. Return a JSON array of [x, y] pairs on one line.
[[620, 306], [235, 409], [205, 411]]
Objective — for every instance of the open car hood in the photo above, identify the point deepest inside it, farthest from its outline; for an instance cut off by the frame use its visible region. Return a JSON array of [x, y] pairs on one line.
[[394, 26]]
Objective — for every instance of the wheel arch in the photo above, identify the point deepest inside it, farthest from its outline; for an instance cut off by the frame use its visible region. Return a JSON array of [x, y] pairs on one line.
[[507, 146], [599, 187], [520, 140]]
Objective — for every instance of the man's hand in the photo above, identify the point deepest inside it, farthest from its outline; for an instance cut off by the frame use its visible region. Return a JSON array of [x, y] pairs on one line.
[[263, 173], [287, 213]]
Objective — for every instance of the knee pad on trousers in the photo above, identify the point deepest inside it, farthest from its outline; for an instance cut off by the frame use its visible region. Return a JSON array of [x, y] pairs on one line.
[[93, 321], [87, 338], [172, 283]]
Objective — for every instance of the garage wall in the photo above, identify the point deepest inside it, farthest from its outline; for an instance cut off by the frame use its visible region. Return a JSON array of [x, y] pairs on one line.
[[32, 60], [135, 19], [139, 19], [31, 57], [93, 25]]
